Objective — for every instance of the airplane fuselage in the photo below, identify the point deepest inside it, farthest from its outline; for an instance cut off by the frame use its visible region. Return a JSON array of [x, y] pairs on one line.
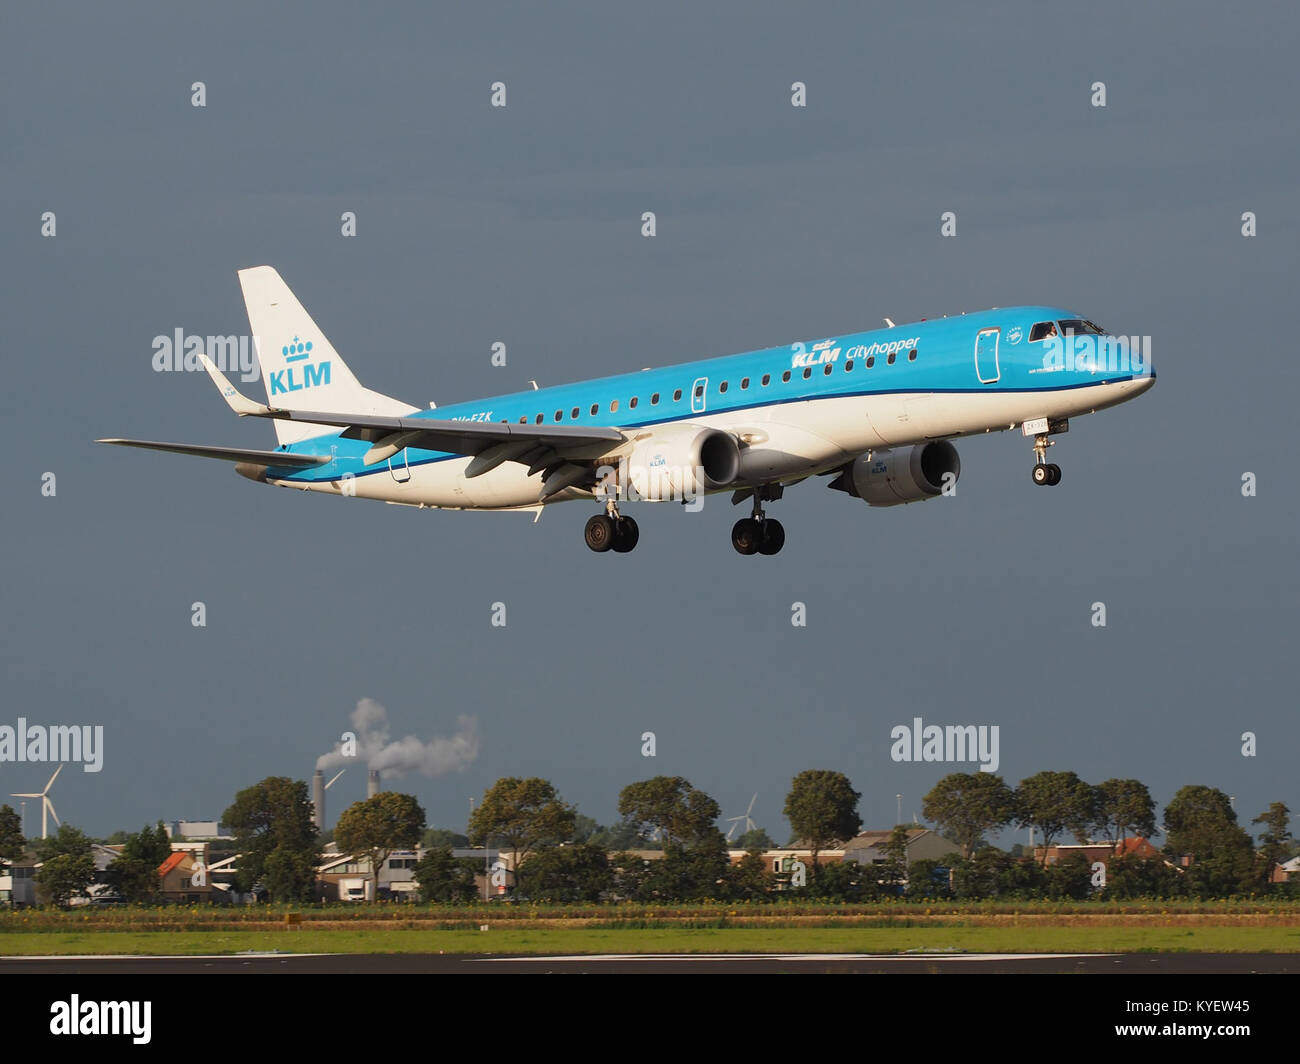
[[798, 410]]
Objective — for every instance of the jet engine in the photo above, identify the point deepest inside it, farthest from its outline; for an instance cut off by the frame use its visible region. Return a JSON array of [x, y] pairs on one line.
[[888, 478], [682, 461]]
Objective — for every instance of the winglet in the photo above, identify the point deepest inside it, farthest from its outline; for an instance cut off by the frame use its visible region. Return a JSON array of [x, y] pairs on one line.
[[236, 400]]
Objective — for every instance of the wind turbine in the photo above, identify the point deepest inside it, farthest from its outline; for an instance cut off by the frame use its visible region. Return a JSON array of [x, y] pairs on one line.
[[47, 807], [734, 821]]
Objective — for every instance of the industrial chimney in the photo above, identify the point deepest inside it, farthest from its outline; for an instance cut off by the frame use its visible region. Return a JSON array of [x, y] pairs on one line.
[[318, 799], [372, 783]]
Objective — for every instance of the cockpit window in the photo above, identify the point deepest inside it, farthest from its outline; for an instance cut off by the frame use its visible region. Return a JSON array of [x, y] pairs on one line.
[[1042, 331], [1080, 327]]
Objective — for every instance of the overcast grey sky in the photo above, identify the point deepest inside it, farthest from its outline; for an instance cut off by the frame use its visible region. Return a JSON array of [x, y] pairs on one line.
[[522, 225]]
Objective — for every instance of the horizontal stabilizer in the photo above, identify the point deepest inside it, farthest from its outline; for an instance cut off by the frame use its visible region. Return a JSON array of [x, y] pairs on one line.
[[273, 459]]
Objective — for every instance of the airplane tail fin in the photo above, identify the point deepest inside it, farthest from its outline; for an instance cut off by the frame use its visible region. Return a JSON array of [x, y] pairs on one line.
[[300, 368]]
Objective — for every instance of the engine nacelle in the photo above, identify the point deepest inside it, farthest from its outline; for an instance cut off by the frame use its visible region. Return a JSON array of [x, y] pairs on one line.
[[889, 478], [681, 462]]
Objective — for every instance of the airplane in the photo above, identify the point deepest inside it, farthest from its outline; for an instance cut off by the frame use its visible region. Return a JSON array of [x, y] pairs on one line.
[[876, 411]]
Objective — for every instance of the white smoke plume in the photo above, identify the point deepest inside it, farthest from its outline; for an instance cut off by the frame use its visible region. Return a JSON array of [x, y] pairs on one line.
[[397, 757]]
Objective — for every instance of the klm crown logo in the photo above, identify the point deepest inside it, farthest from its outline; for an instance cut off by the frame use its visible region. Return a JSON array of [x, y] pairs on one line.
[[296, 352], [312, 376]]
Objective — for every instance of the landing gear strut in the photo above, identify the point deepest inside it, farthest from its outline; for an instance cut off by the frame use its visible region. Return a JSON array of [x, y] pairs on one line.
[[759, 534], [1045, 473], [611, 531]]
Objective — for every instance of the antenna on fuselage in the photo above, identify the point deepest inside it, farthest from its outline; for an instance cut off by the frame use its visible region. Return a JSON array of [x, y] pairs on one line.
[[534, 384], [889, 323]]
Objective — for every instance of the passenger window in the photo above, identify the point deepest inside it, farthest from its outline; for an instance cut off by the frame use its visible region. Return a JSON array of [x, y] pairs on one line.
[[911, 355], [807, 372], [785, 377], [891, 357], [677, 396], [1042, 331], [539, 419], [722, 387], [767, 379], [871, 361], [574, 415], [559, 415], [699, 390], [631, 403], [524, 420], [654, 399], [828, 369], [613, 407], [595, 409], [744, 383], [848, 366]]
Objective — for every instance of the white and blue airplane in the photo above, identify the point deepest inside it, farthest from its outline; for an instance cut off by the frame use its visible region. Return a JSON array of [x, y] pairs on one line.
[[875, 410]]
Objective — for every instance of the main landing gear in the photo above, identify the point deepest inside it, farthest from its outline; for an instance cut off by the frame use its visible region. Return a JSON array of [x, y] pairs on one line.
[[759, 534], [611, 531]]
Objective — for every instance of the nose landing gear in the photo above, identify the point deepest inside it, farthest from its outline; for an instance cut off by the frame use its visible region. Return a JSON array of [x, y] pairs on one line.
[[1045, 473]]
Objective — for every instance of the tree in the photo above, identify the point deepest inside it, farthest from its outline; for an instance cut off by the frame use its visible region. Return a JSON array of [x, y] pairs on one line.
[[134, 873], [617, 838], [893, 873], [444, 878], [377, 826], [689, 872], [750, 879], [1124, 807], [1200, 822], [12, 843], [269, 817], [822, 808], [670, 806], [755, 839], [1273, 839], [65, 876], [520, 815], [1054, 802], [68, 840], [580, 872], [436, 838], [965, 805], [1131, 876]]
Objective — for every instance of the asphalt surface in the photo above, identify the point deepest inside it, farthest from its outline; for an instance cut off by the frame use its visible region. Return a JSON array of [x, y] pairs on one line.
[[752, 964]]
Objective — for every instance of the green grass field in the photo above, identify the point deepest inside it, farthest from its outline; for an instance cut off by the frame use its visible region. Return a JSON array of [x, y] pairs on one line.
[[507, 939]]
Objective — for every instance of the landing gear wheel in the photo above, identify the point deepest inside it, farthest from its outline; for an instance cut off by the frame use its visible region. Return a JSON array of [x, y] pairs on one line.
[[746, 536], [1053, 473], [626, 534], [773, 537], [599, 533], [1042, 475]]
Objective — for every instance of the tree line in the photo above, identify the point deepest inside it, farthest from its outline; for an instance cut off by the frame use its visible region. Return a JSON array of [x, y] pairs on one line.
[[557, 854]]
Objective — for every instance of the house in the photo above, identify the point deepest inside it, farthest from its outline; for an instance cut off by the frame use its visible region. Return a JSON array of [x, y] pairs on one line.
[[1133, 846], [183, 878], [869, 848]]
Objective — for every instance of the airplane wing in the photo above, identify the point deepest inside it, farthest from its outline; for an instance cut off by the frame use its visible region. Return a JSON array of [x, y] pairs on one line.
[[430, 434], [274, 459], [562, 451]]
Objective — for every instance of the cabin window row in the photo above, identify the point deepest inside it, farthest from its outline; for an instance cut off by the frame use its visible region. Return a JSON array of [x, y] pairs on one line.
[[828, 369]]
